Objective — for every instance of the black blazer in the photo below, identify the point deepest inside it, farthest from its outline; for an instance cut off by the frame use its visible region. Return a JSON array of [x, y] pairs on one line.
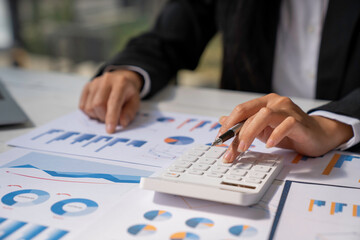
[[248, 29]]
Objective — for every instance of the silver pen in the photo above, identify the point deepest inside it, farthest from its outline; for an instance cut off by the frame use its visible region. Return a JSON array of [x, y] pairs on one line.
[[228, 134]]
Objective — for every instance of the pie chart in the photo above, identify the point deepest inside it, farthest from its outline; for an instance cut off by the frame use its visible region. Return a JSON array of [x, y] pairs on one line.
[[24, 198], [74, 207], [179, 140], [184, 236], [141, 230], [243, 231], [200, 223], [157, 215]]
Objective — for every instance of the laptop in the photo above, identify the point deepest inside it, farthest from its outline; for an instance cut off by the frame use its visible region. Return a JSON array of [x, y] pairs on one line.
[[10, 112]]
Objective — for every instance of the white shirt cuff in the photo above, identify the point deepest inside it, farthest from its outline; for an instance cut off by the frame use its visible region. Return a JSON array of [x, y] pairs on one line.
[[147, 83], [354, 122]]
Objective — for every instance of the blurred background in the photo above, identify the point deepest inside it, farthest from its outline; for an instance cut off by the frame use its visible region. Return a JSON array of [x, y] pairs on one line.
[[76, 36]]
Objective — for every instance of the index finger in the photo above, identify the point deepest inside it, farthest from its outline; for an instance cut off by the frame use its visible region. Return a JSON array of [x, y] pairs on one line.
[[242, 112], [114, 107]]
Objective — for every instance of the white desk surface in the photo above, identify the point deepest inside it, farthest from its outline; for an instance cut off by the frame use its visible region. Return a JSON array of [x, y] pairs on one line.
[[45, 96]]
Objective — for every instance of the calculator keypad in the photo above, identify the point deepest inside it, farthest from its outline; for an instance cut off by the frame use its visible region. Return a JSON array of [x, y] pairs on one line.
[[204, 162]]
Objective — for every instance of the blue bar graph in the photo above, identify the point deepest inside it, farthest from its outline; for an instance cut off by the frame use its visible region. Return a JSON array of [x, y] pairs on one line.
[[10, 228], [63, 137], [51, 131], [136, 143], [215, 126], [98, 139], [83, 137], [200, 125], [82, 140], [186, 122], [344, 158], [57, 234], [33, 232], [337, 207], [112, 143], [165, 119], [27, 231], [319, 203]]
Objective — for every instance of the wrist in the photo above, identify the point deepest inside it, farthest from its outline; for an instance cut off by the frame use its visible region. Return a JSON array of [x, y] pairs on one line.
[[135, 78], [335, 132]]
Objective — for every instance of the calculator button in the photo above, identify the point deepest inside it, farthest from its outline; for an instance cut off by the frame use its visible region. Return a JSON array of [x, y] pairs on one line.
[[189, 158], [245, 166], [247, 160], [215, 152], [170, 174], [182, 164], [202, 147], [201, 167], [195, 172], [196, 153], [218, 169], [222, 164], [270, 156], [214, 175], [261, 168], [233, 177], [238, 172], [208, 161], [258, 175], [253, 180], [177, 169], [256, 155], [268, 163]]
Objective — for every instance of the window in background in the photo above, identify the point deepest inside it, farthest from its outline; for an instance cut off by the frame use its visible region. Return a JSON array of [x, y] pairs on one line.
[[78, 35]]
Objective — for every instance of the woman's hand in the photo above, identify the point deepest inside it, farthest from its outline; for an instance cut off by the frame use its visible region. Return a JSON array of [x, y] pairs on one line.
[[278, 122], [112, 98]]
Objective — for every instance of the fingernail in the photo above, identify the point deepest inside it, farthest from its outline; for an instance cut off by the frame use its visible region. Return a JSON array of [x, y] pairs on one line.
[[241, 147], [270, 143], [227, 157], [109, 127]]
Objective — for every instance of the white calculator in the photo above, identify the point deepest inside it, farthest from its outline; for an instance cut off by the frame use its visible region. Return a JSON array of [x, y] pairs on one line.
[[200, 173]]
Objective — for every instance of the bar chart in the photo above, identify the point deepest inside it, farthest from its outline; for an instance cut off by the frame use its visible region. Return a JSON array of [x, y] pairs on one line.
[[140, 143], [327, 210], [14, 229], [337, 161]]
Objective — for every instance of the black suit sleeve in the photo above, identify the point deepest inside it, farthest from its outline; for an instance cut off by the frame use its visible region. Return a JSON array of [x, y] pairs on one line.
[[177, 41], [348, 106]]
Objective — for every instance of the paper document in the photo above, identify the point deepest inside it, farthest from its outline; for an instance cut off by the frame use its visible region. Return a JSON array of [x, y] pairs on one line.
[[313, 211], [147, 215], [157, 138], [45, 196], [153, 139], [337, 168]]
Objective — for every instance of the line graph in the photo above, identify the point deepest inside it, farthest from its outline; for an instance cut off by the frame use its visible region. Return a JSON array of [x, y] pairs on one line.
[[70, 170]]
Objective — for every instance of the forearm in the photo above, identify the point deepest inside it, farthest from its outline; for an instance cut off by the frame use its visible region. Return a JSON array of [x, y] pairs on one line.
[[348, 105], [176, 42]]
